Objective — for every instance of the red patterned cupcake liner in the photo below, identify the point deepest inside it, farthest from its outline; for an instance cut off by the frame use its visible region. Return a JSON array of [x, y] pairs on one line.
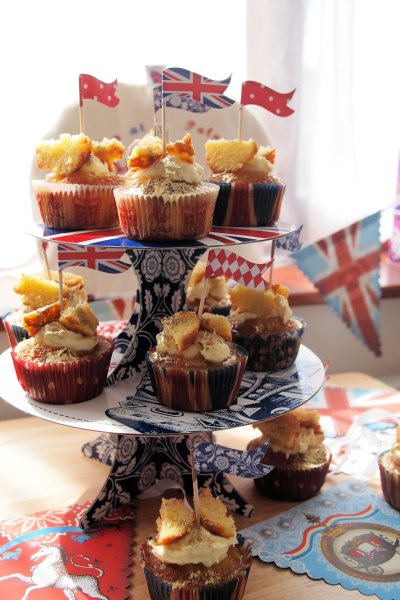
[[75, 206], [65, 382]]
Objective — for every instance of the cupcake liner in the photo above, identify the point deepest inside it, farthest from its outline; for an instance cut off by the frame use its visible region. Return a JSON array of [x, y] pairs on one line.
[[15, 332], [197, 390], [232, 589], [248, 204], [65, 382], [271, 351], [74, 206], [171, 217], [293, 485], [390, 482]]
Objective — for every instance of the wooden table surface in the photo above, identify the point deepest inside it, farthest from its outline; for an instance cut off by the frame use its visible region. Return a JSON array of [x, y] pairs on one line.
[[42, 467]]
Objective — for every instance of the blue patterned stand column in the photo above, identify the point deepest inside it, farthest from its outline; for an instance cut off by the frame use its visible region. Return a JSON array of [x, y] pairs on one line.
[[139, 461]]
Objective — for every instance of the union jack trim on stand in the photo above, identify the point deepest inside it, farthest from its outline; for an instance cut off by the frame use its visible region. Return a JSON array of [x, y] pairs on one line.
[[182, 82], [114, 238], [102, 259], [225, 262], [345, 269]]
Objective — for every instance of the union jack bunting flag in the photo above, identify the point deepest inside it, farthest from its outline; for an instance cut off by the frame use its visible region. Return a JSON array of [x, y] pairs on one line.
[[225, 262], [182, 82], [91, 257], [92, 88], [345, 269]]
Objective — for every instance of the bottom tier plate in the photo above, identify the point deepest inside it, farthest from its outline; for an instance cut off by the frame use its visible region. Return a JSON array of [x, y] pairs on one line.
[[134, 408]]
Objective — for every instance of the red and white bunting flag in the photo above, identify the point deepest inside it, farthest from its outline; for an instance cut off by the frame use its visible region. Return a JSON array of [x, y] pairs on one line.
[[275, 102], [225, 262], [91, 88]]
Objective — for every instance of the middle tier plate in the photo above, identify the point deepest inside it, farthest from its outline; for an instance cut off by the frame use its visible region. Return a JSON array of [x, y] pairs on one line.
[[114, 238], [262, 396]]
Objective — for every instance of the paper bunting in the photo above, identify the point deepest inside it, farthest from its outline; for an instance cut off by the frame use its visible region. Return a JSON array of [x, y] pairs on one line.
[[290, 242], [225, 262], [197, 87], [91, 257], [91, 88], [210, 457], [261, 95], [345, 269]]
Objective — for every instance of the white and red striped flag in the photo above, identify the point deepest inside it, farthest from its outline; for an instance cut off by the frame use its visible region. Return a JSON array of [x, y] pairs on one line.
[[225, 262], [92, 257]]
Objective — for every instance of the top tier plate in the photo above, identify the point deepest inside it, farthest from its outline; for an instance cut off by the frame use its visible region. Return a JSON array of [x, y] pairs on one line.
[[114, 238]]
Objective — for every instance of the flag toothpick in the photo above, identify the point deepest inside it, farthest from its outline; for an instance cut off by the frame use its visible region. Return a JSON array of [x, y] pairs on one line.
[[45, 259], [196, 504]]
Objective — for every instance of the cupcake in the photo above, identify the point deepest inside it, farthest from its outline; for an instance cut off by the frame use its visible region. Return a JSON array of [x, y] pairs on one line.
[[64, 361], [389, 469], [77, 192], [217, 299], [164, 197], [194, 366], [249, 195], [189, 560], [297, 453], [38, 290], [264, 324]]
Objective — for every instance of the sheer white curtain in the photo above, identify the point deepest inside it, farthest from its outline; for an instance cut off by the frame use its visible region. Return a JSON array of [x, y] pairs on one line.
[[338, 152]]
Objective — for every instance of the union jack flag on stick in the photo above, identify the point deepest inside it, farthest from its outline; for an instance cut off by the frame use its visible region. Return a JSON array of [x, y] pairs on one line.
[[182, 82], [345, 269], [91, 88], [225, 262], [91, 257]]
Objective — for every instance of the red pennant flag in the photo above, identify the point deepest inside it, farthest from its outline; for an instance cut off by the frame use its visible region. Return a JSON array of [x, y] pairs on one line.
[[91, 88], [275, 102], [225, 262]]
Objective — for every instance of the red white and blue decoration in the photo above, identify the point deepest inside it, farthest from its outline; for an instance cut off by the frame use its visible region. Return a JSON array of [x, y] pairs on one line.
[[290, 242], [102, 259], [345, 269], [254, 92], [48, 555], [91, 88], [348, 536], [209, 457], [181, 82], [230, 264]]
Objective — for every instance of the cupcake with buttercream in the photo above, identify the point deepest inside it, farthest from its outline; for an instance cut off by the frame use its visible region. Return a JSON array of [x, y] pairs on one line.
[[164, 197], [40, 289], [77, 192], [195, 366], [64, 361], [389, 469], [249, 195], [297, 452], [188, 560], [264, 324]]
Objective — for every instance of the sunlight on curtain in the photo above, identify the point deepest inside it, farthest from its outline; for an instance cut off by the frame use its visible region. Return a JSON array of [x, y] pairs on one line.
[[338, 152]]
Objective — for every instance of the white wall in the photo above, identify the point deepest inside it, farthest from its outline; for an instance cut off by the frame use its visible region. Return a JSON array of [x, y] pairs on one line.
[[329, 338]]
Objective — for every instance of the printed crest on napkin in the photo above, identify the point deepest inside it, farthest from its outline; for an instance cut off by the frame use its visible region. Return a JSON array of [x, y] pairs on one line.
[[348, 535], [47, 555]]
